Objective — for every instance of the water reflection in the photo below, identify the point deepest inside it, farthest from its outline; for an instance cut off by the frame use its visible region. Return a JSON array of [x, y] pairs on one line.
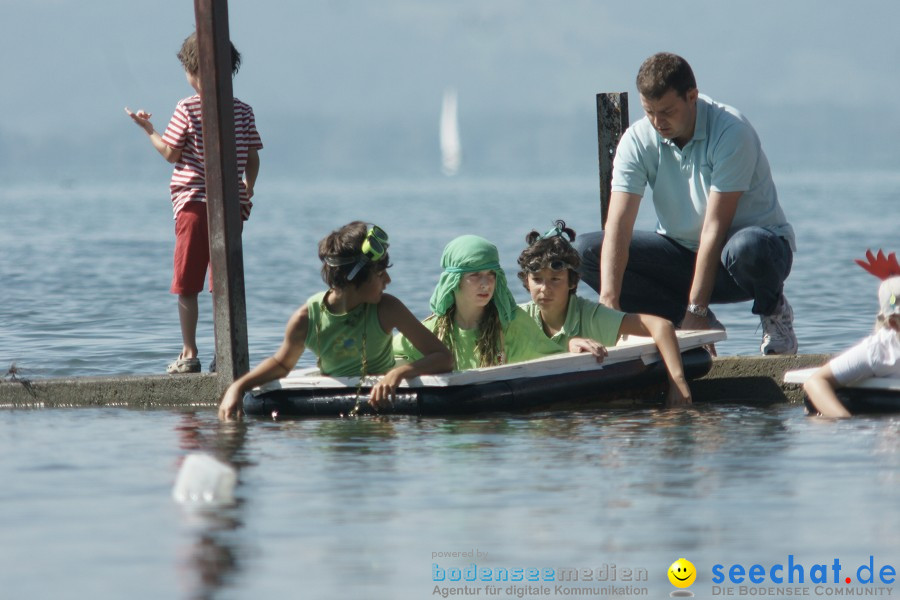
[[211, 557], [377, 495], [357, 435]]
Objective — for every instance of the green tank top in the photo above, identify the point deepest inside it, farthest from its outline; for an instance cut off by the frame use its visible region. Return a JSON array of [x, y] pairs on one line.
[[343, 342]]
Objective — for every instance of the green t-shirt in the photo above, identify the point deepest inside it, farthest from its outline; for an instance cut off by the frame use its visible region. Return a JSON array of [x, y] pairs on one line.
[[583, 319], [339, 341], [522, 340]]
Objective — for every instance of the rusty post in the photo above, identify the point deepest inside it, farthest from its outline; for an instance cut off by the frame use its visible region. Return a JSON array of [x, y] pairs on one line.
[[612, 121], [222, 194]]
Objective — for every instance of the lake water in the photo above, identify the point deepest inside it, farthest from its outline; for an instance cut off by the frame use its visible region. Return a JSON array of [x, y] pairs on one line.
[[360, 508]]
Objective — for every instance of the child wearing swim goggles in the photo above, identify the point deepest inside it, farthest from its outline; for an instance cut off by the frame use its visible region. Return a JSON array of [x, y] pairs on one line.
[[875, 356], [348, 327], [549, 271], [475, 314]]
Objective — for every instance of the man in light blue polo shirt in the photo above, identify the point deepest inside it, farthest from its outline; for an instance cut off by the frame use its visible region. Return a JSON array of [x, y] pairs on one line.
[[722, 236]]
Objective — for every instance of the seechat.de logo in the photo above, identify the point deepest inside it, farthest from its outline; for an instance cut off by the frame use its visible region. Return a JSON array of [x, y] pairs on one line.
[[682, 574]]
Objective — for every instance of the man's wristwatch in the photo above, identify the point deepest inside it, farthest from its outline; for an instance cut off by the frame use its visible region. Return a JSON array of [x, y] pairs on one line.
[[698, 310]]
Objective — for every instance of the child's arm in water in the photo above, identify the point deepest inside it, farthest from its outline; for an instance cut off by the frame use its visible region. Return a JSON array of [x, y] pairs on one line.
[[820, 389], [436, 357], [142, 119], [275, 367], [663, 333]]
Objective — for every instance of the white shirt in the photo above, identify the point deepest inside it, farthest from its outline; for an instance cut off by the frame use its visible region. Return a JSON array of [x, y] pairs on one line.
[[876, 356]]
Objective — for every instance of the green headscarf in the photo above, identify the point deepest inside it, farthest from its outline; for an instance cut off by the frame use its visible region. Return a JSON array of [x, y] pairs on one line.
[[470, 254]]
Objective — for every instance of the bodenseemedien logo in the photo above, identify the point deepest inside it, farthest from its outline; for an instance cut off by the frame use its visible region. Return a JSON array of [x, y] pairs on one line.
[[682, 574]]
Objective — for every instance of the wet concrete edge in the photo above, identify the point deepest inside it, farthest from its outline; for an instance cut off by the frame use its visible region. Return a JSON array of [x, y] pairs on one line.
[[741, 379]]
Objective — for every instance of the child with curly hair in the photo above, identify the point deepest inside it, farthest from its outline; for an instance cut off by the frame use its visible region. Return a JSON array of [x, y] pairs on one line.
[[549, 271]]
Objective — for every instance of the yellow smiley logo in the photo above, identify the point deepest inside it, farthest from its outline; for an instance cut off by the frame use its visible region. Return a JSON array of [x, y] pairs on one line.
[[682, 573]]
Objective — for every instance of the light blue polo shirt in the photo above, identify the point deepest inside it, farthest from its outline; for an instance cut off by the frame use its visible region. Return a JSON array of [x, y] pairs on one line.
[[724, 155]]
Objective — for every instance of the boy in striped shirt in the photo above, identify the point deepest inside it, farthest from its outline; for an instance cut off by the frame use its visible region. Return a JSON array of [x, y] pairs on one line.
[[182, 145]]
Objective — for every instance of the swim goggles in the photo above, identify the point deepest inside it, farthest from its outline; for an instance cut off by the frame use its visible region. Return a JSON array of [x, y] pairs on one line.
[[373, 248], [554, 265]]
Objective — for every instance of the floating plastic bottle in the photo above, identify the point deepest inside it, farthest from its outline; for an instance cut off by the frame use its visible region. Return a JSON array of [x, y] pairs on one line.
[[203, 481]]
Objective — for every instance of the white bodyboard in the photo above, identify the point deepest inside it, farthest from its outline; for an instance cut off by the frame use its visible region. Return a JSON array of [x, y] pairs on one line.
[[627, 349]]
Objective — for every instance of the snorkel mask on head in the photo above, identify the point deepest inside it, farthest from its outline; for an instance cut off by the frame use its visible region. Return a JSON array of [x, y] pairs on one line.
[[554, 265], [373, 248]]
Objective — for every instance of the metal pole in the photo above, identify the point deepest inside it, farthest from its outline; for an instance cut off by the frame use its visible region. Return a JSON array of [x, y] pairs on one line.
[[612, 121], [222, 195]]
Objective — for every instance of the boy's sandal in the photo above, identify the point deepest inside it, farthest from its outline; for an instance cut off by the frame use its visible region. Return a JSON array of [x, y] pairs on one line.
[[184, 365]]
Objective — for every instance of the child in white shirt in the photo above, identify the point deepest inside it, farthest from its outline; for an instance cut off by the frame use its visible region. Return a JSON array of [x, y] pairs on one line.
[[876, 356]]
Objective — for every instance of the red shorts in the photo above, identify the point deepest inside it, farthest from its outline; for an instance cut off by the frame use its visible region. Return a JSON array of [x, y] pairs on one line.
[[191, 249]]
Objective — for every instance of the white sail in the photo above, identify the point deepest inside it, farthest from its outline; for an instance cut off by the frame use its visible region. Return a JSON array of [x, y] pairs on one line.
[[451, 151]]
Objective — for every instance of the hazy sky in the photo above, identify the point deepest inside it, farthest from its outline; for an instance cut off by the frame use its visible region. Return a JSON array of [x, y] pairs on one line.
[[817, 68]]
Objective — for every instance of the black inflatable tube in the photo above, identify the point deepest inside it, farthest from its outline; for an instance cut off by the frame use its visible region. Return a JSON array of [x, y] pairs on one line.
[[861, 401], [631, 379]]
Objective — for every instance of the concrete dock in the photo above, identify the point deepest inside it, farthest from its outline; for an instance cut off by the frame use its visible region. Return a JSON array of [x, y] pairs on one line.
[[741, 379]]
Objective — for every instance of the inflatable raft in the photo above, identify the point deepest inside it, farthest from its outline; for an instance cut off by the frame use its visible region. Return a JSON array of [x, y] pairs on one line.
[[633, 370], [873, 395]]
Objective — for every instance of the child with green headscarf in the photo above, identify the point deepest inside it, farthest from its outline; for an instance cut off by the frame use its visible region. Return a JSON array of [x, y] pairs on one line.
[[475, 314]]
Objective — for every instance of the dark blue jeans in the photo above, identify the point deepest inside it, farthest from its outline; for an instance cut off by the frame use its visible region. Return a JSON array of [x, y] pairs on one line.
[[658, 276]]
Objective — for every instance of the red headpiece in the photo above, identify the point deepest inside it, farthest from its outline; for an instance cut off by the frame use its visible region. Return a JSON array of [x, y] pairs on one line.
[[879, 265]]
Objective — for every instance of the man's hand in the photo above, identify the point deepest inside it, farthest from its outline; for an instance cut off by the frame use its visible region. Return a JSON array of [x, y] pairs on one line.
[[692, 321]]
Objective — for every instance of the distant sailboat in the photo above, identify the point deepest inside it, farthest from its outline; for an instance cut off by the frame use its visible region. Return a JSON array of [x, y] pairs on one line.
[[451, 151]]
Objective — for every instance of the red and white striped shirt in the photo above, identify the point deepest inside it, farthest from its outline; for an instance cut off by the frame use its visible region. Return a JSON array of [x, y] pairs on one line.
[[185, 131]]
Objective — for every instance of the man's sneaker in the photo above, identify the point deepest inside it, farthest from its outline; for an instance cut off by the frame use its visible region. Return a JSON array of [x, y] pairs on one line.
[[778, 330]]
